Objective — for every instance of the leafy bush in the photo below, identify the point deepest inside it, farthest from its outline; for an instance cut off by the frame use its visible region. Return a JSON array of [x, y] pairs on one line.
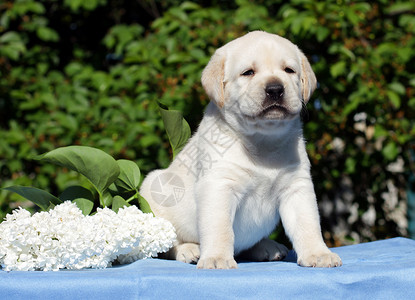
[[91, 74]]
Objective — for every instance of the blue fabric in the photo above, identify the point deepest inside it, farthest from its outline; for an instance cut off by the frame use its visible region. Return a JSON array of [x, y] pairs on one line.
[[377, 270]]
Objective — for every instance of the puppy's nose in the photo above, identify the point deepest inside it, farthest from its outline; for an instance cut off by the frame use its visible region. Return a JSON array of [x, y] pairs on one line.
[[274, 91]]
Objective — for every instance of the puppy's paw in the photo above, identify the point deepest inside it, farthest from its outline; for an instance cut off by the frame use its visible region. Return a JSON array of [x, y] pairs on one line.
[[266, 250], [217, 263], [188, 253], [320, 260]]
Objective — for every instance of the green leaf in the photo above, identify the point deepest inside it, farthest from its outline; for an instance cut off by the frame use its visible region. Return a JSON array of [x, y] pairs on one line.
[[75, 192], [400, 7], [10, 37], [73, 4], [119, 202], [397, 87], [188, 5], [394, 98], [390, 151], [144, 206], [39, 197], [322, 33], [338, 69], [113, 189], [351, 106], [341, 49], [47, 34], [350, 165], [380, 131], [176, 58], [352, 16], [11, 45], [85, 205], [178, 130], [129, 178], [106, 200], [96, 165]]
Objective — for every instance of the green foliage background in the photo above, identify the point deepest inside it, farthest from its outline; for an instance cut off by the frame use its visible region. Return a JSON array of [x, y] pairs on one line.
[[90, 73]]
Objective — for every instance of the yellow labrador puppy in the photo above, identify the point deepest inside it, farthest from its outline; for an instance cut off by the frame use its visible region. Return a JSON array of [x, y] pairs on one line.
[[246, 166]]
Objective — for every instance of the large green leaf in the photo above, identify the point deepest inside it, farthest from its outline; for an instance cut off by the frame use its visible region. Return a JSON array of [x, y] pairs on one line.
[[85, 205], [129, 178], [119, 202], [39, 197], [178, 130], [144, 206], [96, 165]]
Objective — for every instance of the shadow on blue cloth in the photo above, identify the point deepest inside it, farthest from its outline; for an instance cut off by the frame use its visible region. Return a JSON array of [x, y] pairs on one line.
[[291, 258]]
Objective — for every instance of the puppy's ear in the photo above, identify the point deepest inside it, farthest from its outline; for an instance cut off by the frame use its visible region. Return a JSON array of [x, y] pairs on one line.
[[212, 78], [308, 78]]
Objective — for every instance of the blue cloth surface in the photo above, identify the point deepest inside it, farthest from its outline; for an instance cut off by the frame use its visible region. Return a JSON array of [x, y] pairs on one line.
[[377, 270]]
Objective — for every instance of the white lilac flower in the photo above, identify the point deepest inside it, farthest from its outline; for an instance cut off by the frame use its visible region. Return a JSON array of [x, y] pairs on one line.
[[65, 238]]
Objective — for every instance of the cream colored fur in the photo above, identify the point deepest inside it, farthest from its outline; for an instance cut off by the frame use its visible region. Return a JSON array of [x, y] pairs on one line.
[[246, 166]]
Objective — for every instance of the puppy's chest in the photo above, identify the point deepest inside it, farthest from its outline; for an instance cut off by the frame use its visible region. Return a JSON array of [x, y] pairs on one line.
[[261, 191], [259, 197], [257, 212]]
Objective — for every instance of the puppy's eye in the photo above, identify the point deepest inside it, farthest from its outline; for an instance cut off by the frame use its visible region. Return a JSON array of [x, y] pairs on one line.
[[249, 72], [289, 70]]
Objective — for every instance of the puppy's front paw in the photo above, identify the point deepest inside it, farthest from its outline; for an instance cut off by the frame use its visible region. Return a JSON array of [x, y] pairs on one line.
[[188, 253], [320, 260], [216, 263]]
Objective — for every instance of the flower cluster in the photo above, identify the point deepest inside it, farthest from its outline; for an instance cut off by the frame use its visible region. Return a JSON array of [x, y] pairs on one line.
[[65, 238]]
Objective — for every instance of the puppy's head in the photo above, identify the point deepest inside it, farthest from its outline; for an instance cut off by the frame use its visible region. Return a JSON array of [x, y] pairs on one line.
[[259, 79]]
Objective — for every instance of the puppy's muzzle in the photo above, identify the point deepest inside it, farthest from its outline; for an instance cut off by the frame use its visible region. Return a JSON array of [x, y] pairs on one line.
[[274, 106]]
